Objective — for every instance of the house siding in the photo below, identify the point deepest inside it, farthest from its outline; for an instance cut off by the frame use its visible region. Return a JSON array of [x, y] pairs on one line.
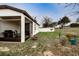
[[8, 12], [35, 28]]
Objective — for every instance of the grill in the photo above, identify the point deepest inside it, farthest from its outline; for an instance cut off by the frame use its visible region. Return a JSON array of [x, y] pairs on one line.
[[8, 34]]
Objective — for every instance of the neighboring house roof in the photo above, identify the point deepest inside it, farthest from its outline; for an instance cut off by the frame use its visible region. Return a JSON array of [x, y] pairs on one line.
[[19, 10], [68, 24]]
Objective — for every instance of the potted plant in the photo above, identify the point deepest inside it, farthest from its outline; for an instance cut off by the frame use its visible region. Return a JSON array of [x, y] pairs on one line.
[[71, 39]]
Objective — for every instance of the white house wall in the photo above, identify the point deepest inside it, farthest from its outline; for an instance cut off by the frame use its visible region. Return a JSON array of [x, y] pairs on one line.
[[35, 28], [33, 25], [27, 21]]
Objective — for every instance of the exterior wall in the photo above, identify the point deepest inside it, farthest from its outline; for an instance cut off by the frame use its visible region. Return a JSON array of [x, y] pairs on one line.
[[9, 25], [46, 29], [27, 21], [35, 28], [8, 12]]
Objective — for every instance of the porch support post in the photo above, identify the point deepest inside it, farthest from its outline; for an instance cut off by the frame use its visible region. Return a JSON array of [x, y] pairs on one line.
[[30, 30], [22, 28]]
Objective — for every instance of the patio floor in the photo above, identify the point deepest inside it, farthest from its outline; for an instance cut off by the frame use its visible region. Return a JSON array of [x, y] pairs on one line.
[[10, 39]]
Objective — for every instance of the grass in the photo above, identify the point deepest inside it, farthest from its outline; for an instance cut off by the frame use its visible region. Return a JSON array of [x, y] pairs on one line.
[[47, 41]]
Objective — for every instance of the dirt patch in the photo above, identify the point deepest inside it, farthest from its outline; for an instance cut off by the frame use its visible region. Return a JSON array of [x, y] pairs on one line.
[[34, 45], [48, 53], [4, 49]]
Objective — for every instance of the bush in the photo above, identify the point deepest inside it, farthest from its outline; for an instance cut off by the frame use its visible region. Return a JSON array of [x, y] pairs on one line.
[[74, 25]]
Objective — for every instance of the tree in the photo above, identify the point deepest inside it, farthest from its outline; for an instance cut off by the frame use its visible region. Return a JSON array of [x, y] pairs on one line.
[[63, 21], [47, 21], [53, 24]]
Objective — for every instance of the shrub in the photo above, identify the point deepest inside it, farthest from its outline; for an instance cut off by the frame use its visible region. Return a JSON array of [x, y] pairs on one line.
[[74, 25]]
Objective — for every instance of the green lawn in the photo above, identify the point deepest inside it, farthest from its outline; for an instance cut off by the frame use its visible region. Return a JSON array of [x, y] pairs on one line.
[[47, 41]]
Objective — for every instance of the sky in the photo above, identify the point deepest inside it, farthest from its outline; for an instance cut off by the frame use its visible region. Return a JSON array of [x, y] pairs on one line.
[[52, 10]]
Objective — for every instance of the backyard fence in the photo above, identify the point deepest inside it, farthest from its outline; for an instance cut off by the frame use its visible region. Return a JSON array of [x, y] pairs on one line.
[[46, 29]]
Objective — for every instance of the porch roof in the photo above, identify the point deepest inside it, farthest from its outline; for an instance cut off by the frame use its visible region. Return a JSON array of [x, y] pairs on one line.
[[19, 10], [10, 17]]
